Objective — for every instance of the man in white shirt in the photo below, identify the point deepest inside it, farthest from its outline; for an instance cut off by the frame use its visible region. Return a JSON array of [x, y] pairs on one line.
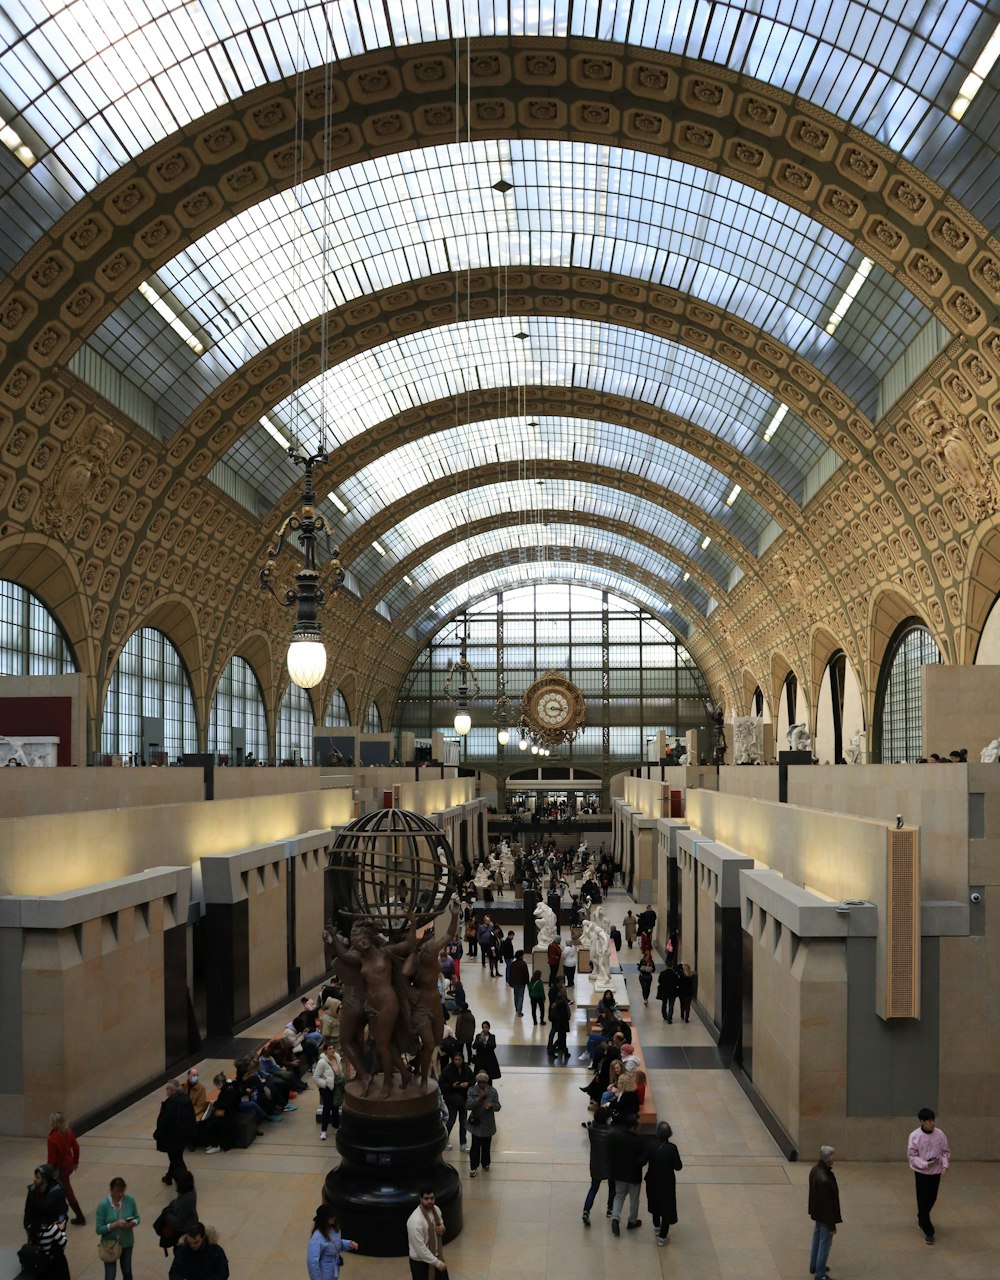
[[424, 1230], [569, 967]]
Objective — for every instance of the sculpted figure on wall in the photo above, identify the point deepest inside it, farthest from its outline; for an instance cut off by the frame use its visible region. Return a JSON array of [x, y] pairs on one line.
[[989, 754], [749, 734]]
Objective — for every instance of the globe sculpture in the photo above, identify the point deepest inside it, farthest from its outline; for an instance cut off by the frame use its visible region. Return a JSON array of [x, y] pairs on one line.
[[395, 884]]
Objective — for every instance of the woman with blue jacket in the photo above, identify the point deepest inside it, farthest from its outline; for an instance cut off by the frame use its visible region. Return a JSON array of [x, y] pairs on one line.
[[325, 1243]]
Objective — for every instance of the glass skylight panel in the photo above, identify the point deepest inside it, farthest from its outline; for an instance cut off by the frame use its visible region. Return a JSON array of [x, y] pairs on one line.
[[551, 572], [406, 372], [398, 218], [96, 88]]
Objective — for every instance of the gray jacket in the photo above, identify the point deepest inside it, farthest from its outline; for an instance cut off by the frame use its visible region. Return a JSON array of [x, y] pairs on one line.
[[482, 1111]]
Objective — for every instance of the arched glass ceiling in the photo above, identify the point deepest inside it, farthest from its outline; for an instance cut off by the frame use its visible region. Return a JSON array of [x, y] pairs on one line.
[[399, 218], [559, 351], [522, 449], [511, 494], [519, 575], [91, 83], [527, 538]]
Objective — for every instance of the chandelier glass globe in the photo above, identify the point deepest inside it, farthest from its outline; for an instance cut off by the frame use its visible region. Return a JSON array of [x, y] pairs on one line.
[[463, 723], [523, 745], [306, 662], [503, 737]]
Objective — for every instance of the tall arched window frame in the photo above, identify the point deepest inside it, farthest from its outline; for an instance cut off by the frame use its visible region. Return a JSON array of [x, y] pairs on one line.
[[31, 641], [336, 712], [295, 726], [791, 696], [238, 703], [373, 720], [898, 701], [149, 679]]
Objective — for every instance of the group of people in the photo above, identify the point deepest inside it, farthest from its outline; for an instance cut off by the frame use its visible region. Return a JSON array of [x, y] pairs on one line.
[[618, 1156]]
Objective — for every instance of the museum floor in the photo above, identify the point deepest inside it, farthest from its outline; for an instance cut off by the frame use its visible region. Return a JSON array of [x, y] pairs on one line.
[[742, 1206]]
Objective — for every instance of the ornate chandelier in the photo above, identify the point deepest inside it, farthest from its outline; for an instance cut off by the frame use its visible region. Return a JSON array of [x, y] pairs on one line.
[[306, 652], [461, 684]]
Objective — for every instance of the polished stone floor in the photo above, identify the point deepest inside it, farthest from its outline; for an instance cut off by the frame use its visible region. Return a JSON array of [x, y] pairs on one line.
[[742, 1206]]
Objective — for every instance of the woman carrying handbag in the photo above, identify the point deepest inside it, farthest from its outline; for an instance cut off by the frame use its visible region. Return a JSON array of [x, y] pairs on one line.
[[117, 1218]]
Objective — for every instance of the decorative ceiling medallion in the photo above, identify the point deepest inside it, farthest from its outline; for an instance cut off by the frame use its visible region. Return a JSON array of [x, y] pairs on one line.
[[553, 709]]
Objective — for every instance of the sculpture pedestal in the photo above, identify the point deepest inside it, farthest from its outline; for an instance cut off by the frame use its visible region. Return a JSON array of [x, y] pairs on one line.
[[389, 1150]]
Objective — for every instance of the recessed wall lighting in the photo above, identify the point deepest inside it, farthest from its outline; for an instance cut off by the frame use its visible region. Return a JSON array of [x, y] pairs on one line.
[[973, 82], [166, 311]]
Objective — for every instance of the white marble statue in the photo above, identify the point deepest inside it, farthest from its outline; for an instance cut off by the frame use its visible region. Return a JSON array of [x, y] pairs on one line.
[[748, 732], [798, 738], [854, 752], [545, 924], [598, 940], [33, 752], [482, 879], [989, 754]]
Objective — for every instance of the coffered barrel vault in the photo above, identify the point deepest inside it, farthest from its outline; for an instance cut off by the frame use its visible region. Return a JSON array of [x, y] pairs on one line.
[[619, 366]]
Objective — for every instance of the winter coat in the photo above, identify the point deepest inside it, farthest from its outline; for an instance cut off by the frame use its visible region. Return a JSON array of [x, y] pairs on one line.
[[207, 1263], [628, 1153], [824, 1195], [666, 985], [175, 1125], [484, 1056], [482, 1122], [631, 929], [43, 1206], [600, 1152], [661, 1181], [465, 1026]]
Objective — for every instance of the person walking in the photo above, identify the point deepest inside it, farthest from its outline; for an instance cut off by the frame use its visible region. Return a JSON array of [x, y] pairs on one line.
[[325, 1243], [569, 966], [45, 1221], [666, 992], [631, 930], [484, 1053], [824, 1209], [484, 1103], [559, 1023], [685, 990], [930, 1158], [465, 1030], [117, 1219], [507, 955], [598, 1133], [661, 1182], [64, 1157], [199, 1258], [456, 1081], [518, 977], [647, 967], [536, 993], [329, 1078], [175, 1129], [553, 954], [627, 1154], [424, 1232]]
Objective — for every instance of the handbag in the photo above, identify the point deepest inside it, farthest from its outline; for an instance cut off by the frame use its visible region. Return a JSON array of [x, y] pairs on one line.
[[109, 1250], [32, 1260]]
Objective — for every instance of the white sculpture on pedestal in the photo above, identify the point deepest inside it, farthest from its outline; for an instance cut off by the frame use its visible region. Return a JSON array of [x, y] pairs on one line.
[[748, 732], [854, 752], [989, 754], [798, 738], [546, 924], [482, 879], [599, 943]]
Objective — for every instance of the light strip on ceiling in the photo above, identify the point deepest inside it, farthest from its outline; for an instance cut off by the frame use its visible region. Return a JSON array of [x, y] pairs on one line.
[[776, 421], [704, 542], [407, 579], [163, 309], [686, 576], [973, 82], [850, 293], [379, 548], [737, 490], [274, 432], [13, 141], [338, 503]]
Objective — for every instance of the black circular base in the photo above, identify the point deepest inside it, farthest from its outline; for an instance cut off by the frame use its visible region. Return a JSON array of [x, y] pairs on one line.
[[389, 1152]]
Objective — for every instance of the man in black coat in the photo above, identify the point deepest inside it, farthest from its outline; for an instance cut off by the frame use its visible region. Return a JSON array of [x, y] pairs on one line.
[[666, 991], [559, 1019], [824, 1209], [176, 1128], [45, 1202], [627, 1155], [199, 1258], [456, 1081], [599, 1134]]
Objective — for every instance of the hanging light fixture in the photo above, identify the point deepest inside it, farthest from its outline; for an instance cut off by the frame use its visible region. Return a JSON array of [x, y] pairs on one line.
[[503, 713], [306, 652], [461, 684], [522, 744]]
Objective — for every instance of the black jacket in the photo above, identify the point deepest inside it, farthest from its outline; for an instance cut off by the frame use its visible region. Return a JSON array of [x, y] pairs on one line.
[[456, 1083], [666, 985], [824, 1195], [207, 1263], [661, 1181], [44, 1206], [600, 1152], [559, 1013], [175, 1126], [628, 1153]]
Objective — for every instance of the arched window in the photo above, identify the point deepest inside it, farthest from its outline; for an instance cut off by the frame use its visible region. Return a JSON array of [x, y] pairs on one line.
[[31, 642], [898, 714], [373, 720], [758, 702], [149, 682], [238, 704], [337, 713], [791, 695], [295, 726]]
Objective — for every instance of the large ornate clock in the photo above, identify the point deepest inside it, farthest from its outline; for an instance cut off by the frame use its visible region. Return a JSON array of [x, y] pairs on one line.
[[553, 709]]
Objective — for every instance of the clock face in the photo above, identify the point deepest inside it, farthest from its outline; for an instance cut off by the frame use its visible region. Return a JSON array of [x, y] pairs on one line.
[[552, 708]]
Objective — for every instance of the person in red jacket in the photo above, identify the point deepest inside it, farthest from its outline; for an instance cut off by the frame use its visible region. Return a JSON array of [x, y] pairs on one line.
[[64, 1156], [554, 957]]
